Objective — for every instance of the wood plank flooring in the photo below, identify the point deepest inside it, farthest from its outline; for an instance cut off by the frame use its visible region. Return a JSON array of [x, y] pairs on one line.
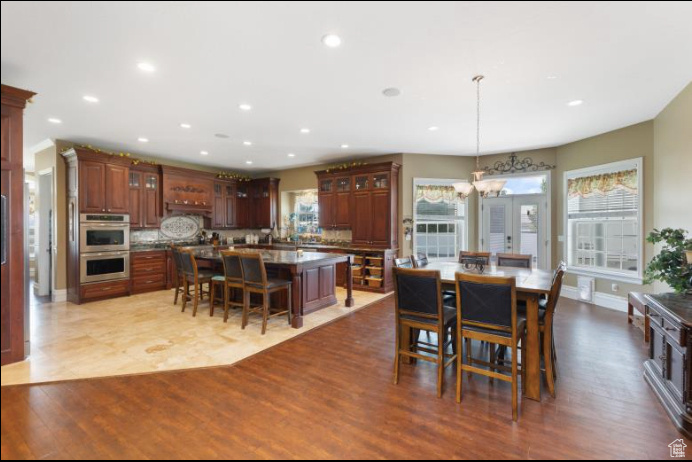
[[329, 394]]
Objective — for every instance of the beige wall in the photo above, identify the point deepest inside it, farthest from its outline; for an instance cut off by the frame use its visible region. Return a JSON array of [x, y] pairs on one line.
[[673, 166], [626, 143]]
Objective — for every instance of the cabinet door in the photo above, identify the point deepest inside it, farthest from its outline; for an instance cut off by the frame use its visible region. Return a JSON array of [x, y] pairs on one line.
[[342, 203], [136, 200], [325, 204], [152, 201], [219, 213], [379, 235], [92, 187], [362, 218], [117, 189], [230, 211]]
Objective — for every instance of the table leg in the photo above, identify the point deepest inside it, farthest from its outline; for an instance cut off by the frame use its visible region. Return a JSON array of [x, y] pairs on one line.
[[533, 349], [297, 318], [349, 283]]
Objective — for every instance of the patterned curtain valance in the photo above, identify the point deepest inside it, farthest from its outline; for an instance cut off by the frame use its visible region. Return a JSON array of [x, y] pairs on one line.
[[436, 193], [603, 184]]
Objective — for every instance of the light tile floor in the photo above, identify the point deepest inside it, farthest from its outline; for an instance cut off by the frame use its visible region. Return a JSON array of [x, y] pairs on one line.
[[147, 333]]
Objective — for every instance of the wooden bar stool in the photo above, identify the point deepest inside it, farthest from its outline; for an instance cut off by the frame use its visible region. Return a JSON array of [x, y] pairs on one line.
[[231, 281], [191, 275], [255, 281], [514, 260], [178, 280]]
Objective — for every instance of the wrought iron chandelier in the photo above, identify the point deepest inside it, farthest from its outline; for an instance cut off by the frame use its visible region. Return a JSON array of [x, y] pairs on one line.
[[485, 188]]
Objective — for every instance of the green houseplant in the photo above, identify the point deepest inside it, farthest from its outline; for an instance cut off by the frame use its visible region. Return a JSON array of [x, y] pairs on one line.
[[670, 265]]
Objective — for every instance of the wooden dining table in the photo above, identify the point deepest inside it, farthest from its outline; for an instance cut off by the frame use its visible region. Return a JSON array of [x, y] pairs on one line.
[[531, 284]]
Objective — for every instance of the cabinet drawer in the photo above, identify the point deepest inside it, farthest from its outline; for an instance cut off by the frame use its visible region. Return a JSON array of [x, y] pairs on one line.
[[105, 289], [148, 268], [148, 257], [155, 281]]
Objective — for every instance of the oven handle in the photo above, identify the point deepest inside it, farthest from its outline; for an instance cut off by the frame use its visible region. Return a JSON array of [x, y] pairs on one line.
[[106, 254], [105, 225]]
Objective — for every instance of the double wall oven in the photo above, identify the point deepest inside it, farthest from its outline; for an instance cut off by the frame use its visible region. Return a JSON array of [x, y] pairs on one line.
[[104, 247]]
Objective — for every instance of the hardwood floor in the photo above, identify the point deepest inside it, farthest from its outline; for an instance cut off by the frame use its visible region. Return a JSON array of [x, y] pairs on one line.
[[337, 400]]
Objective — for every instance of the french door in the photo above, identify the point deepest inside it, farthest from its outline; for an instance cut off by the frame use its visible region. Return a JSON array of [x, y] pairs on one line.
[[516, 224]]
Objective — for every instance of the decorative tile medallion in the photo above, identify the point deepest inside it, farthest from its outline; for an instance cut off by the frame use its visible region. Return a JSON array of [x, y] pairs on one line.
[[179, 227]]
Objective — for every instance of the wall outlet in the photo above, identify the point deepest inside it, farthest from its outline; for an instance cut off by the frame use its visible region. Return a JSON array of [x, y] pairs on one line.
[[615, 287]]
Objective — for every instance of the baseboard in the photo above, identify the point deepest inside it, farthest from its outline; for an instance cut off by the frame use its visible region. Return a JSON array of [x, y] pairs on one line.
[[59, 295], [612, 302]]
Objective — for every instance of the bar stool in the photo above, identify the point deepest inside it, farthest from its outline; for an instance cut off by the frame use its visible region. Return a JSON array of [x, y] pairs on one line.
[[231, 280], [192, 275], [255, 281], [178, 280]]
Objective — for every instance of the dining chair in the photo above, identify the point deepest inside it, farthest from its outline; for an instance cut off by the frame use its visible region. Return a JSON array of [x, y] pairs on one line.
[[193, 276], [419, 260], [404, 262], [546, 314], [514, 260], [465, 255], [418, 306], [487, 311], [178, 279], [255, 281], [231, 281]]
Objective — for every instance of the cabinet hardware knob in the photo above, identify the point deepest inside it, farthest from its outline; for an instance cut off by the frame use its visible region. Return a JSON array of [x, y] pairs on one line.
[[662, 357]]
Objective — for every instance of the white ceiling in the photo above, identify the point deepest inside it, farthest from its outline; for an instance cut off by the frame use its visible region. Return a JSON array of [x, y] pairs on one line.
[[626, 60]]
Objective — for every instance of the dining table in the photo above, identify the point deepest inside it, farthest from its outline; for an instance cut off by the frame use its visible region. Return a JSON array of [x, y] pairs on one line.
[[531, 285]]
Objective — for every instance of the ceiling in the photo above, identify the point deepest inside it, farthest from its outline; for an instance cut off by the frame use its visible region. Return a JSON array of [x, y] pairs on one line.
[[625, 60]]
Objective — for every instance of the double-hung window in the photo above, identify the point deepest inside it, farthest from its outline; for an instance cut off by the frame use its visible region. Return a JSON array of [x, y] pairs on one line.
[[603, 207], [440, 230]]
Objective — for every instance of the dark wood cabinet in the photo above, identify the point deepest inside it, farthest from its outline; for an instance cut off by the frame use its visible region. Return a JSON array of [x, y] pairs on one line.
[[145, 197], [104, 187], [224, 215], [242, 204], [148, 271], [364, 200], [265, 202], [669, 368], [13, 258]]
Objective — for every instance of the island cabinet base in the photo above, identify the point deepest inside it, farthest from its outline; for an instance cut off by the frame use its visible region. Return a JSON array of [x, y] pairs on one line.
[[681, 417]]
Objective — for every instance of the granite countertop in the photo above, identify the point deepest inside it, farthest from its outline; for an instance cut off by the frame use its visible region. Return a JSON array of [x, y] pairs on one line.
[[153, 246], [277, 257]]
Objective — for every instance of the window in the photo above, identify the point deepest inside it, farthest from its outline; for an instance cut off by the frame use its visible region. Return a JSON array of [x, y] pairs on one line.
[[306, 213], [440, 219], [604, 220]]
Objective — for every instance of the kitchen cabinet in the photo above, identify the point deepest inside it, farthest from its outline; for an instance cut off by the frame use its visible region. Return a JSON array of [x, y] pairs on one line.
[[242, 205], [145, 197], [148, 271], [224, 215], [104, 187], [265, 202], [364, 200]]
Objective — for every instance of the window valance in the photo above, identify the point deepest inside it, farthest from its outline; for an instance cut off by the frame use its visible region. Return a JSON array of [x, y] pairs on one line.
[[601, 185]]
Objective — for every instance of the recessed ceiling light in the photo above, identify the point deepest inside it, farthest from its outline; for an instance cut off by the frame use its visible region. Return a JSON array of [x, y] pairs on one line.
[[551, 77], [204, 153], [146, 67], [141, 139], [391, 92], [184, 125], [304, 130], [331, 40], [221, 135], [576, 102], [53, 120], [247, 143], [244, 107], [249, 162], [90, 99], [290, 154], [433, 128], [344, 146]]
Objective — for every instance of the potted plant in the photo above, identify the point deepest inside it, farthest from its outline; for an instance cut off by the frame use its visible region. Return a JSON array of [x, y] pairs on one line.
[[673, 264]]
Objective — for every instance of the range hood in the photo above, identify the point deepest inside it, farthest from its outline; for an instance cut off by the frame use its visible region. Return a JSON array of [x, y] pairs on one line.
[[187, 191]]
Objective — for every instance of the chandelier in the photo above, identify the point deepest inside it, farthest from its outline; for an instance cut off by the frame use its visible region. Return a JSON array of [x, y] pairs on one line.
[[485, 188]]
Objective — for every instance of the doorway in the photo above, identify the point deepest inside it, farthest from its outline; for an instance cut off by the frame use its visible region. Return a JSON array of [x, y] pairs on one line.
[[44, 233], [518, 221]]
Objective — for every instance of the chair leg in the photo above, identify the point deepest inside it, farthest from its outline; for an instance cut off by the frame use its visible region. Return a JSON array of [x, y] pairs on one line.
[[177, 291], [441, 337], [493, 358], [289, 304], [554, 356], [226, 302], [265, 312], [397, 347], [523, 363], [459, 364], [212, 292], [515, 398], [548, 361], [186, 290], [195, 302], [246, 308], [468, 354]]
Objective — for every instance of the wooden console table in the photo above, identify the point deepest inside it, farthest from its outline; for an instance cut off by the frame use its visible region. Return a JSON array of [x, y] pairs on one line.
[[637, 301]]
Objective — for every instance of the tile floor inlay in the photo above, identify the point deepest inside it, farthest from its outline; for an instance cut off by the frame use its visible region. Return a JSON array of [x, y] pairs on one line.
[[147, 333]]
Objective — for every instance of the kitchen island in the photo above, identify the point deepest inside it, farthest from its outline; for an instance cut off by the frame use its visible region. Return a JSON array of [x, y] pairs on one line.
[[313, 276]]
